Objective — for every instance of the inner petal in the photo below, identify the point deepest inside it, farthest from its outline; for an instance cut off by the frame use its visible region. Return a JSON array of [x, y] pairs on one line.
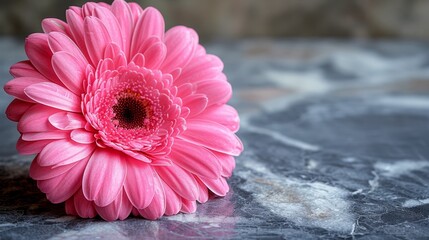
[[130, 113]]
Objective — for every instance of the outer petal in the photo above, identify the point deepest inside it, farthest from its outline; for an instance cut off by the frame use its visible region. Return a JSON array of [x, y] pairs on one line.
[[219, 186], [39, 53], [53, 95], [151, 23], [104, 177], [180, 181], [196, 159], [16, 109], [37, 136], [180, 48], [139, 184], [54, 25], [157, 207], [84, 208], [173, 201], [75, 21], [111, 23], [217, 92], [96, 38], [201, 68], [122, 11], [63, 152], [188, 206], [28, 148], [25, 69], [213, 136], [16, 86], [224, 114], [62, 187], [120, 208], [35, 119], [70, 71], [39, 172], [59, 42], [196, 103]]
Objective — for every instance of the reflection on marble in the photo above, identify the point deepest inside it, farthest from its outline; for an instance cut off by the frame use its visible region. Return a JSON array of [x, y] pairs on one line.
[[336, 146]]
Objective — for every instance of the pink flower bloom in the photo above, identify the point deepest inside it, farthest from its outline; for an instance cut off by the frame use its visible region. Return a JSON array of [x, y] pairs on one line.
[[123, 116]]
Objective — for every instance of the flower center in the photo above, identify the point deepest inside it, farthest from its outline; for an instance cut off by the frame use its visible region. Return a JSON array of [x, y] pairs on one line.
[[130, 113]]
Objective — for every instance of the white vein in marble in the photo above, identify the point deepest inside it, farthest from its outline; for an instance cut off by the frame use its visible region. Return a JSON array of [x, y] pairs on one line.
[[398, 168], [313, 204]]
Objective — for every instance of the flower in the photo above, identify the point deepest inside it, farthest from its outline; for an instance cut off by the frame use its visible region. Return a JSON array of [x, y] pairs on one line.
[[123, 117]]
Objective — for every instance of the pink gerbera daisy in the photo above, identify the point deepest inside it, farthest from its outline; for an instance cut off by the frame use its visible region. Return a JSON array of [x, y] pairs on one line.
[[123, 116]]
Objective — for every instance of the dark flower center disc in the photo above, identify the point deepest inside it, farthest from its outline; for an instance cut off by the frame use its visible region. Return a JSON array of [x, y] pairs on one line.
[[129, 113]]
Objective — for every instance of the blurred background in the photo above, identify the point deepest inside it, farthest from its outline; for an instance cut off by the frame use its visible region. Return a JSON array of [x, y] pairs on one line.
[[232, 19]]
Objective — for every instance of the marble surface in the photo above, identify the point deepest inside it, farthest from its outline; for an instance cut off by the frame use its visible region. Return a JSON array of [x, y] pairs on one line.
[[336, 139]]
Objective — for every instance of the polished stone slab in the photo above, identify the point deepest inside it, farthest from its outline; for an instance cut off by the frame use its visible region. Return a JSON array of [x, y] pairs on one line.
[[336, 139]]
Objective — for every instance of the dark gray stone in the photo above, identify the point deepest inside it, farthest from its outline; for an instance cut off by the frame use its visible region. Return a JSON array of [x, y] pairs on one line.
[[336, 146]]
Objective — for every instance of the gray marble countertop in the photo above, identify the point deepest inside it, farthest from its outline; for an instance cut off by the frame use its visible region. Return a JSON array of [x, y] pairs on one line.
[[336, 139]]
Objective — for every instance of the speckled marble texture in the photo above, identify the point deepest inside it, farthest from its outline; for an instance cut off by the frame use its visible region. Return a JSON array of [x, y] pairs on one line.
[[336, 139]]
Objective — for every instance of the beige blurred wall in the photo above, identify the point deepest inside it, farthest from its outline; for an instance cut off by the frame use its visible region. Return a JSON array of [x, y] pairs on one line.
[[231, 19]]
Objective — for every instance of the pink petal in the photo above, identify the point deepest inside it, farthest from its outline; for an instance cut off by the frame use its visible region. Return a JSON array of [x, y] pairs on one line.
[[82, 136], [38, 172], [16, 86], [139, 60], [227, 162], [201, 68], [59, 42], [36, 136], [203, 191], [35, 119], [64, 186], [54, 25], [219, 186], [180, 48], [111, 23], [137, 155], [111, 51], [53, 95], [29, 148], [157, 207], [25, 69], [136, 10], [151, 23], [104, 177], [84, 208], [173, 203], [63, 152], [139, 184], [218, 92], [120, 208], [196, 103], [125, 19], [195, 159], [188, 206], [180, 181], [70, 71], [75, 21], [96, 38], [69, 206], [39, 53], [155, 55], [16, 109], [67, 120], [224, 114], [213, 136]]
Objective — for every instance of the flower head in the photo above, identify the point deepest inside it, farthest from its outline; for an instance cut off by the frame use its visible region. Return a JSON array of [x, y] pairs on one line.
[[123, 117]]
